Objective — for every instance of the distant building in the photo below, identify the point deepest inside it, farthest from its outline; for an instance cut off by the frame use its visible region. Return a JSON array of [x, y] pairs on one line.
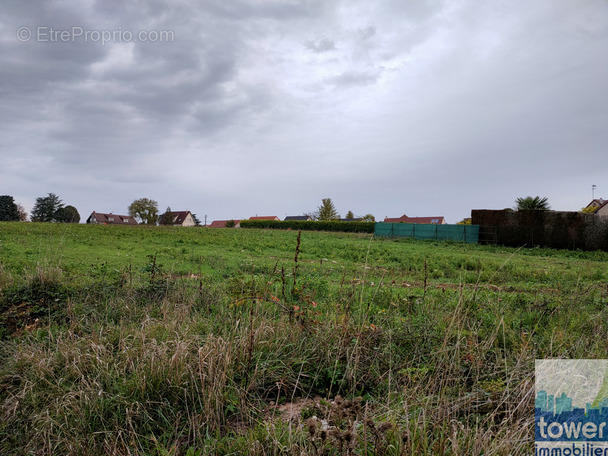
[[111, 219], [600, 205], [298, 218], [438, 220], [182, 218], [222, 223], [360, 219]]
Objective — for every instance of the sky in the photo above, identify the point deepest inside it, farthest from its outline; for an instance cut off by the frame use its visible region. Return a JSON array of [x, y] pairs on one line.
[[237, 108]]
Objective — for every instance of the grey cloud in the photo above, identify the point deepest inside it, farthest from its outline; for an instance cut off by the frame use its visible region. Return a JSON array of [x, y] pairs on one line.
[[446, 105], [319, 46], [366, 33], [355, 78]]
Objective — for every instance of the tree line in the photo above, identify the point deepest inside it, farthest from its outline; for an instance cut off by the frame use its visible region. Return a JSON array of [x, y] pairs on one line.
[[145, 211], [46, 209], [327, 212], [50, 208]]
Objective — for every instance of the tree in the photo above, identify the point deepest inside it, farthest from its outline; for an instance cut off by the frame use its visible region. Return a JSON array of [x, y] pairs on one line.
[[350, 215], [230, 224], [9, 211], [144, 210], [368, 218], [46, 208], [197, 222], [465, 221], [166, 218], [68, 214], [327, 211], [22, 213], [532, 204]]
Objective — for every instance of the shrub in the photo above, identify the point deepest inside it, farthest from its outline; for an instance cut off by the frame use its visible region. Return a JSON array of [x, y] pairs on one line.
[[347, 227]]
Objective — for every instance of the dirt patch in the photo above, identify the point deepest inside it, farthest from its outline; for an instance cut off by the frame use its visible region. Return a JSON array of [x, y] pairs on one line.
[[292, 411], [18, 318]]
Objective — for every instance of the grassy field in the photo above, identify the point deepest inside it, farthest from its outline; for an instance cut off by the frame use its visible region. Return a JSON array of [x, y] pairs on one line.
[[171, 341]]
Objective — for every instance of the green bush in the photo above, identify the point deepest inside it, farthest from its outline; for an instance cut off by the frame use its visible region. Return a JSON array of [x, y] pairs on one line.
[[345, 227]]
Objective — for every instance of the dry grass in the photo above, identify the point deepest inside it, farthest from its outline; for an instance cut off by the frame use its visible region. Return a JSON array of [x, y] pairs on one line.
[[161, 380], [153, 363]]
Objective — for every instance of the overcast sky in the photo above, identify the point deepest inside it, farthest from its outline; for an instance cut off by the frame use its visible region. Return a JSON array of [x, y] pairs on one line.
[[264, 107]]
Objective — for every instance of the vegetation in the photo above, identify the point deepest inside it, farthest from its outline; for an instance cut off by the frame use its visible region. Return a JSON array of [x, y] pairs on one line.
[[22, 213], [368, 218], [166, 218], [144, 210], [350, 215], [68, 214], [530, 203], [172, 341], [350, 227], [589, 209], [9, 211], [47, 209], [50, 209], [327, 211]]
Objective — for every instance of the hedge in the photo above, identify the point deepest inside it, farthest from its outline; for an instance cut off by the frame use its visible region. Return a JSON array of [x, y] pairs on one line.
[[554, 229], [347, 227]]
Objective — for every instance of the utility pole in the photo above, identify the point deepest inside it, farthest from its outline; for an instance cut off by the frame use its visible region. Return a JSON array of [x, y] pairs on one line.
[[205, 219]]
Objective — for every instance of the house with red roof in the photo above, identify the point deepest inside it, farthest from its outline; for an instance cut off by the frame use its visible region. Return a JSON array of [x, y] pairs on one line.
[[436, 220], [111, 219], [182, 218], [222, 223]]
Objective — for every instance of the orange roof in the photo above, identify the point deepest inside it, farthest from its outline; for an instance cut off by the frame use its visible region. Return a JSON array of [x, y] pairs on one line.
[[222, 223]]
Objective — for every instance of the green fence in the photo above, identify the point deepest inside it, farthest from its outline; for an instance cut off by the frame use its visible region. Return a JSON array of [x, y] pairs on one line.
[[462, 233]]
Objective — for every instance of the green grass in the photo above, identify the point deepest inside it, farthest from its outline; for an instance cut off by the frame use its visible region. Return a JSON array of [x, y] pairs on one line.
[[138, 340]]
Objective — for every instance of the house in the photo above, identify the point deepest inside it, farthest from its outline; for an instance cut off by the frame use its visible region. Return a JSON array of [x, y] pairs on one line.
[[268, 217], [182, 218], [222, 223], [600, 205], [298, 218], [111, 219], [359, 219], [426, 220]]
